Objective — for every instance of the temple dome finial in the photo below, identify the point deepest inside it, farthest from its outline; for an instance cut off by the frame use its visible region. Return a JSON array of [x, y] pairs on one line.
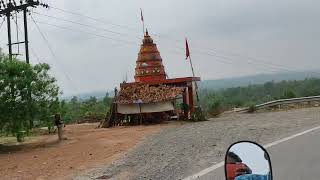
[[147, 39]]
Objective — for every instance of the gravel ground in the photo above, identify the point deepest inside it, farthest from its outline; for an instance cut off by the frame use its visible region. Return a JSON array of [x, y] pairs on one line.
[[179, 151], [43, 157]]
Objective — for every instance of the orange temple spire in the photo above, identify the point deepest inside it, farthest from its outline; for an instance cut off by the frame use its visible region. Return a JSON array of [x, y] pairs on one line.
[[149, 67]]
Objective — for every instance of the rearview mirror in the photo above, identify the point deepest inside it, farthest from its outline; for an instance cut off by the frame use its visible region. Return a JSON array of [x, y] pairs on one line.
[[247, 161]]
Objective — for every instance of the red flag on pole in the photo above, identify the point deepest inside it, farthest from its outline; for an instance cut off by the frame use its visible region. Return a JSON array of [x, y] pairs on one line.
[[141, 15], [187, 49]]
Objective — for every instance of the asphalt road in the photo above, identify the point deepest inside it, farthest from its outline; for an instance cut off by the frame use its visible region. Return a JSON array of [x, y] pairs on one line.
[[294, 159], [297, 159]]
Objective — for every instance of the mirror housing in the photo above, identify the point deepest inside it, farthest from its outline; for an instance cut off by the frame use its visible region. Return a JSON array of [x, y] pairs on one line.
[[246, 160]]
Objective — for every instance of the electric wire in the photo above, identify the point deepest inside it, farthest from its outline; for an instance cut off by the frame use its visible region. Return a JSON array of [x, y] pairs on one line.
[[81, 24], [2, 23], [215, 52], [94, 34], [255, 61], [221, 59], [1, 27], [52, 52], [16, 22], [94, 19], [225, 61], [32, 50]]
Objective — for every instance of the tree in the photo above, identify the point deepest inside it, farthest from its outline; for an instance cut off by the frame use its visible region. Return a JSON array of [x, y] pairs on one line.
[[28, 96], [107, 100], [256, 94], [288, 94]]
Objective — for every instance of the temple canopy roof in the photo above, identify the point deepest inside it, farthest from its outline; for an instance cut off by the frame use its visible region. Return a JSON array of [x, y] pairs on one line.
[[145, 93]]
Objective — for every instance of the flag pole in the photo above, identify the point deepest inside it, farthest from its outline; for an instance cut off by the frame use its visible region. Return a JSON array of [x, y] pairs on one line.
[[143, 28], [196, 84], [193, 74]]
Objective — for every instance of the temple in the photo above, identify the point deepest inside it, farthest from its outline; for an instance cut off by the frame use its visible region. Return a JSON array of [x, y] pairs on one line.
[[153, 96]]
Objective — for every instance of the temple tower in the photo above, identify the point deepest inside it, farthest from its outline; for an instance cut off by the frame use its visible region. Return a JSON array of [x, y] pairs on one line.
[[149, 67]]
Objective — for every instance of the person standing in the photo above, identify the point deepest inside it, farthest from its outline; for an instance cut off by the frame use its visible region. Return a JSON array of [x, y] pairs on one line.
[[59, 123]]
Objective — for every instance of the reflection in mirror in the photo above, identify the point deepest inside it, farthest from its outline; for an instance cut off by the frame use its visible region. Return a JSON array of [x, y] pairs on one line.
[[247, 161]]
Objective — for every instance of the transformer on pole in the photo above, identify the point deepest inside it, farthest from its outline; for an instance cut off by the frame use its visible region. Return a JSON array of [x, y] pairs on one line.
[[7, 9]]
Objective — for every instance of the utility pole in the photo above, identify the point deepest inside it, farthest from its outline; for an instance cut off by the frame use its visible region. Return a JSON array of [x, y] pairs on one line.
[[26, 41], [7, 9], [9, 35]]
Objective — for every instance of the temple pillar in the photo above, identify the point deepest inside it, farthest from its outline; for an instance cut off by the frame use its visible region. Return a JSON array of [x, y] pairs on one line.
[[191, 98], [186, 101]]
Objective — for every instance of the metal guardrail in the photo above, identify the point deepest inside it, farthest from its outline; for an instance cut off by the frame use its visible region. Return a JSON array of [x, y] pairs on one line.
[[283, 101]]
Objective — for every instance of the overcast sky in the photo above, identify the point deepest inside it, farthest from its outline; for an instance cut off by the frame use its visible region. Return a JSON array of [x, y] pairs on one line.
[[227, 38]]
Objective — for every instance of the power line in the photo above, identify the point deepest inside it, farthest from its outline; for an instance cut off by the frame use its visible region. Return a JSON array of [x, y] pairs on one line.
[[35, 54], [2, 23], [263, 66], [81, 24], [94, 19], [221, 58], [70, 29], [32, 50], [51, 51], [7, 11], [223, 61], [94, 34], [225, 56], [226, 60], [1, 28], [255, 62], [99, 20], [17, 27]]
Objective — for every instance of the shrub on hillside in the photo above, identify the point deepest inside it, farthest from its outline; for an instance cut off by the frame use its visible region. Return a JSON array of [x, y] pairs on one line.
[[215, 109]]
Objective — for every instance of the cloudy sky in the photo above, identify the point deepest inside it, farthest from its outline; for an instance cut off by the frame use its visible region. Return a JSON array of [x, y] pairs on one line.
[[228, 38]]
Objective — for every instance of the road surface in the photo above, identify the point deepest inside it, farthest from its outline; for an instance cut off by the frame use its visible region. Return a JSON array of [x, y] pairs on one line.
[[180, 151], [294, 159]]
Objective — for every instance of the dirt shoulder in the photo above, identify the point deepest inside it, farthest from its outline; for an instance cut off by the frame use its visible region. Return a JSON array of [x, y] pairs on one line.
[[177, 152], [44, 158]]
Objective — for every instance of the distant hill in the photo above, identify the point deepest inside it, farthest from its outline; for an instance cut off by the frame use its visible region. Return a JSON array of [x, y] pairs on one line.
[[255, 79], [224, 83], [85, 96]]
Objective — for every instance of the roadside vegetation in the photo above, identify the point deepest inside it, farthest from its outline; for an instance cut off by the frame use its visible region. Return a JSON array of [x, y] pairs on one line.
[[215, 102], [78, 110], [28, 97]]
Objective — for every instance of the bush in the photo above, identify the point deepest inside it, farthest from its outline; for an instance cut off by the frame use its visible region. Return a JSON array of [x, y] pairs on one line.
[[289, 94], [198, 115], [20, 136], [252, 108], [215, 108]]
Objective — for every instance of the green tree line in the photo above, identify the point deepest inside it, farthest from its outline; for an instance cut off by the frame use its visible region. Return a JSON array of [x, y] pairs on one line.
[[78, 110], [29, 98], [215, 101]]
